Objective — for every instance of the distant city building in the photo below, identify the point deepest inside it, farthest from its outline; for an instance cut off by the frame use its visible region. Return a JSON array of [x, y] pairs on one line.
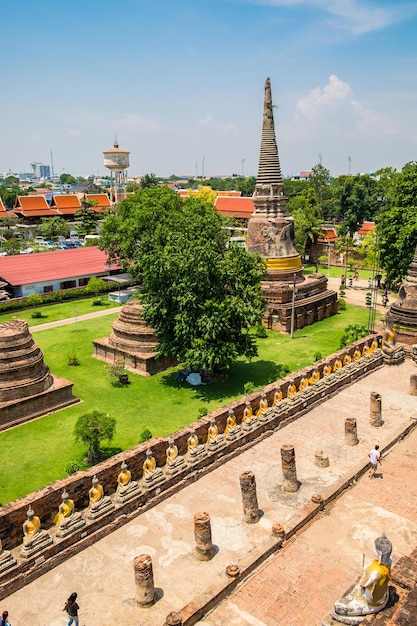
[[40, 171]]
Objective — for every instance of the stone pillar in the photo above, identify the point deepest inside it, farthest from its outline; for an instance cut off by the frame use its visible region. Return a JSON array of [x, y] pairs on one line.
[[321, 459], [173, 619], [413, 385], [289, 472], [204, 549], [145, 590], [249, 498], [375, 418], [351, 433]]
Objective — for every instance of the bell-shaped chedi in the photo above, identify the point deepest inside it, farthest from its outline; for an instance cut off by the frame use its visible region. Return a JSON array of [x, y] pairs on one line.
[[292, 300], [27, 387], [403, 312], [133, 342]]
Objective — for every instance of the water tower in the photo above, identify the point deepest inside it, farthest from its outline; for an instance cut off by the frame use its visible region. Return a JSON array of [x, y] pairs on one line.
[[117, 161]]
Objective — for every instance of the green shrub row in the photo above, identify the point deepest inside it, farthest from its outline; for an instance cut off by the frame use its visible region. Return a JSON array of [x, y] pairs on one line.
[[56, 296]]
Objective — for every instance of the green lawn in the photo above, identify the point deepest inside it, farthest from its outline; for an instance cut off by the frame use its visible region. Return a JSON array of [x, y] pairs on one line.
[[59, 311], [36, 453]]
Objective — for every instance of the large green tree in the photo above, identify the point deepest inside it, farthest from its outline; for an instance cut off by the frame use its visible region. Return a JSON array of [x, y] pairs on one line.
[[200, 295], [358, 200], [397, 223], [52, 227], [93, 428], [307, 219]]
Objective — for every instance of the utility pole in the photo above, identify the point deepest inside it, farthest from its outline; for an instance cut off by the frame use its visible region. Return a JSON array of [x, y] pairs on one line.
[[202, 169], [350, 162], [294, 293]]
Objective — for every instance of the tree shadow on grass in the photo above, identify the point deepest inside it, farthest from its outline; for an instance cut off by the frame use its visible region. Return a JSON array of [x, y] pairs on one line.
[[108, 451], [232, 382]]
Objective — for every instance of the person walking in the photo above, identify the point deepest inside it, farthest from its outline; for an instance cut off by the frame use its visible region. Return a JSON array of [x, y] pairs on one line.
[[4, 621], [375, 457], [71, 607]]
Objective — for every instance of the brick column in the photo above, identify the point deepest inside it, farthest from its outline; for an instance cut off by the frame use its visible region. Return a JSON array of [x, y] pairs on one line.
[[145, 590], [289, 472], [375, 417], [413, 385], [351, 433], [173, 619], [204, 550], [249, 498]]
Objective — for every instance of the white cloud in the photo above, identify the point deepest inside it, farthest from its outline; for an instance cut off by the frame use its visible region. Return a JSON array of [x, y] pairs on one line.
[[209, 122], [333, 108], [355, 16], [73, 132], [131, 122]]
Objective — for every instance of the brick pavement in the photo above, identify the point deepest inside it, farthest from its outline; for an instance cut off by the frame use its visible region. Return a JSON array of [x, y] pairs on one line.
[[298, 585]]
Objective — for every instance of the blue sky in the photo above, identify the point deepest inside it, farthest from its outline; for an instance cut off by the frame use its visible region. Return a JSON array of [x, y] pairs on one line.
[[181, 84]]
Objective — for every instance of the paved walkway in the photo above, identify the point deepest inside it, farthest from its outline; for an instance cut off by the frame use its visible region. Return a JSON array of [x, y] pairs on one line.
[[74, 320], [298, 585]]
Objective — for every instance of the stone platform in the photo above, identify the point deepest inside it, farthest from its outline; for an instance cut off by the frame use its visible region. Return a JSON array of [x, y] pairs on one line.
[[299, 583]]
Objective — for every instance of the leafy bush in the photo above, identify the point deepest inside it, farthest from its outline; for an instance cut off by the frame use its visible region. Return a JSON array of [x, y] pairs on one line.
[[97, 302], [352, 333], [318, 356], [34, 299], [202, 411], [72, 466], [91, 429], [323, 260], [72, 359], [260, 331], [36, 315], [248, 387], [145, 435]]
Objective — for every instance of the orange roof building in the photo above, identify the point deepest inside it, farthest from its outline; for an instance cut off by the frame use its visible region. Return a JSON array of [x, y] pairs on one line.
[[241, 208], [365, 228], [102, 201], [34, 206], [66, 204]]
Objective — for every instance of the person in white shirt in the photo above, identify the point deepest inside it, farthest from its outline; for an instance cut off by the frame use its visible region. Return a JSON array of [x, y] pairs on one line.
[[375, 457]]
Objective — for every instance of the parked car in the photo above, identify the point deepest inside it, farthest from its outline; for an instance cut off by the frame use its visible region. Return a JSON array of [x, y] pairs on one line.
[[62, 245]]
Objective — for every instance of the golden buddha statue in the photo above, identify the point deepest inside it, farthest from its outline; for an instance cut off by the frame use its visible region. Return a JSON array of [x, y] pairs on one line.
[[357, 354], [65, 510], [303, 386], [152, 475], [174, 462], [124, 478], [6, 559], [366, 350], [171, 452], [374, 345], [195, 451], [370, 594], [263, 406], [96, 492], [347, 360], [337, 365], [393, 352], [327, 370], [192, 441], [315, 377], [277, 396], [67, 520], [34, 539], [291, 391], [247, 413], [149, 465], [126, 487], [99, 504], [232, 429], [31, 527], [214, 440]]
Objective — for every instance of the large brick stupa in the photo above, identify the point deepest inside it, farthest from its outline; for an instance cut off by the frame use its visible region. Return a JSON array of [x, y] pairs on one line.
[[271, 234], [27, 387]]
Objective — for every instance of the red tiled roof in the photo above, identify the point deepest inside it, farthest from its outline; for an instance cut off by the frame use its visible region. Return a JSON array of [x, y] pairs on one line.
[[66, 202], [29, 203], [102, 200], [34, 206], [235, 207], [366, 228], [23, 269], [329, 236]]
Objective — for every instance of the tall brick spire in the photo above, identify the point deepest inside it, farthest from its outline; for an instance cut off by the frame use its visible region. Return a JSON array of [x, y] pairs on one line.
[[269, 171]]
